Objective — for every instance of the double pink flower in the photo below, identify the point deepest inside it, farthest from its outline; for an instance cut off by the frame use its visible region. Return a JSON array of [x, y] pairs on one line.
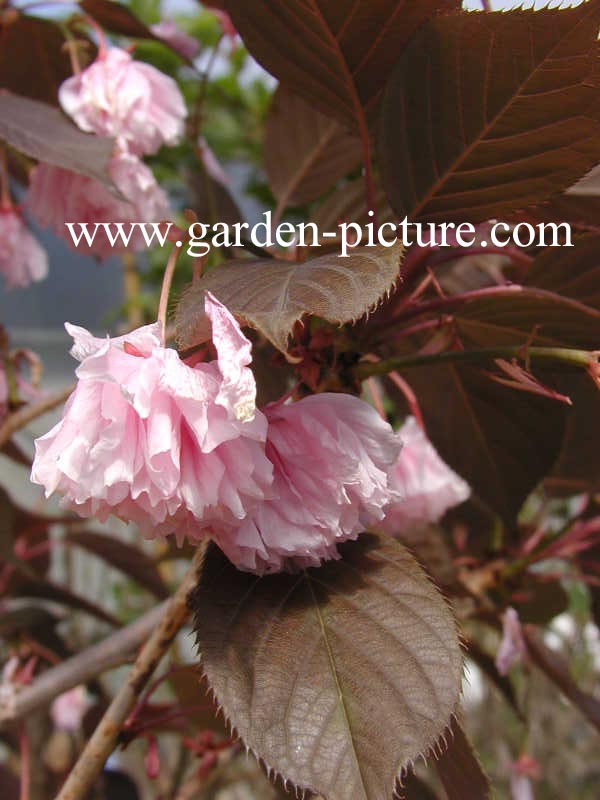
[[141, 109], [183, 450]]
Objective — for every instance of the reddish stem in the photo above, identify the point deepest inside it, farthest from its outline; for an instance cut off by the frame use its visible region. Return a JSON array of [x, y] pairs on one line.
[[409, 396]]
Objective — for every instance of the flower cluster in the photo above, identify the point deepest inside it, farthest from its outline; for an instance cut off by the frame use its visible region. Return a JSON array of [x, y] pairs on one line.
[[141, 109], [182, 449]]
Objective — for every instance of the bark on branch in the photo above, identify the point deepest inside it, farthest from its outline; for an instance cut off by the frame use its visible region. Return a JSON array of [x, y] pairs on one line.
[[104, 738], [115, 650]]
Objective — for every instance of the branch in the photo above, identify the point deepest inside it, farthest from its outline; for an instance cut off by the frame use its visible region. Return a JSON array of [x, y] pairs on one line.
[[564, 355], [19, 419], [115, 650], [103, 741]]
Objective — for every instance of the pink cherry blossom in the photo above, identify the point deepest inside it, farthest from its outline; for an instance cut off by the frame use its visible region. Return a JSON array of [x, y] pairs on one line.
[[152, 440], [512, 648], [331, 455], [69, 708], [22, 258], [426, 485], [126, 100], [179, 40], [57, 196]]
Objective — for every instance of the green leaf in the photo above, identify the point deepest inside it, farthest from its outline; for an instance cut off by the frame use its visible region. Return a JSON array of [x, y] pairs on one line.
[[42, 132], [305, 152], [337, 677], [337, 54], [273, 295], [488, 113]]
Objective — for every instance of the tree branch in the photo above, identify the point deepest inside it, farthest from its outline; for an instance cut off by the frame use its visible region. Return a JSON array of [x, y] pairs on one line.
[[115, 650], [564, 355], [19, 419], [104, 738]]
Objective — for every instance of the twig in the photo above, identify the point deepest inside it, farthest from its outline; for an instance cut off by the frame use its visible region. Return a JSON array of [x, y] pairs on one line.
[[19, 419], [104, 738], [25, 763], [115, 650]]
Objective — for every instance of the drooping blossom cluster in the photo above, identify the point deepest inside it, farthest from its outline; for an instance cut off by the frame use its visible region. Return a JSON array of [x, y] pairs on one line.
[[332, 456], [58, 195], [427, 486], [22, 258], [183, 450], [154, 441], [126, 100], [141, 109]]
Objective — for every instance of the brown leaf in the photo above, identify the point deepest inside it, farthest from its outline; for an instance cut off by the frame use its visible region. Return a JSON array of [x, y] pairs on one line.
[[337, 54], [577, 469], [500, 441], [510, 316], [488, 113], [273, 295], [33, 61], [305, 152], [347, 204], [459, 768], [43, 133], [570, 271], [117, 18], [335, 677]]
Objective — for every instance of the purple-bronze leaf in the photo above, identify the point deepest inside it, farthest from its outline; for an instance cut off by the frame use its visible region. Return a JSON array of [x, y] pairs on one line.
[[459, 769], [42, 132], [305, 152], [33, 58], [337, 678], [487, 113], [272, 295], [336, 53]]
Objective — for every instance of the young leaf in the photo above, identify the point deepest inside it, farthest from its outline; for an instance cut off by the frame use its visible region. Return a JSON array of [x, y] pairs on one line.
[[33, 59], [43, 133], [336, 677], [337, 54], [488, 113], [273, 295], [305, 152]]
